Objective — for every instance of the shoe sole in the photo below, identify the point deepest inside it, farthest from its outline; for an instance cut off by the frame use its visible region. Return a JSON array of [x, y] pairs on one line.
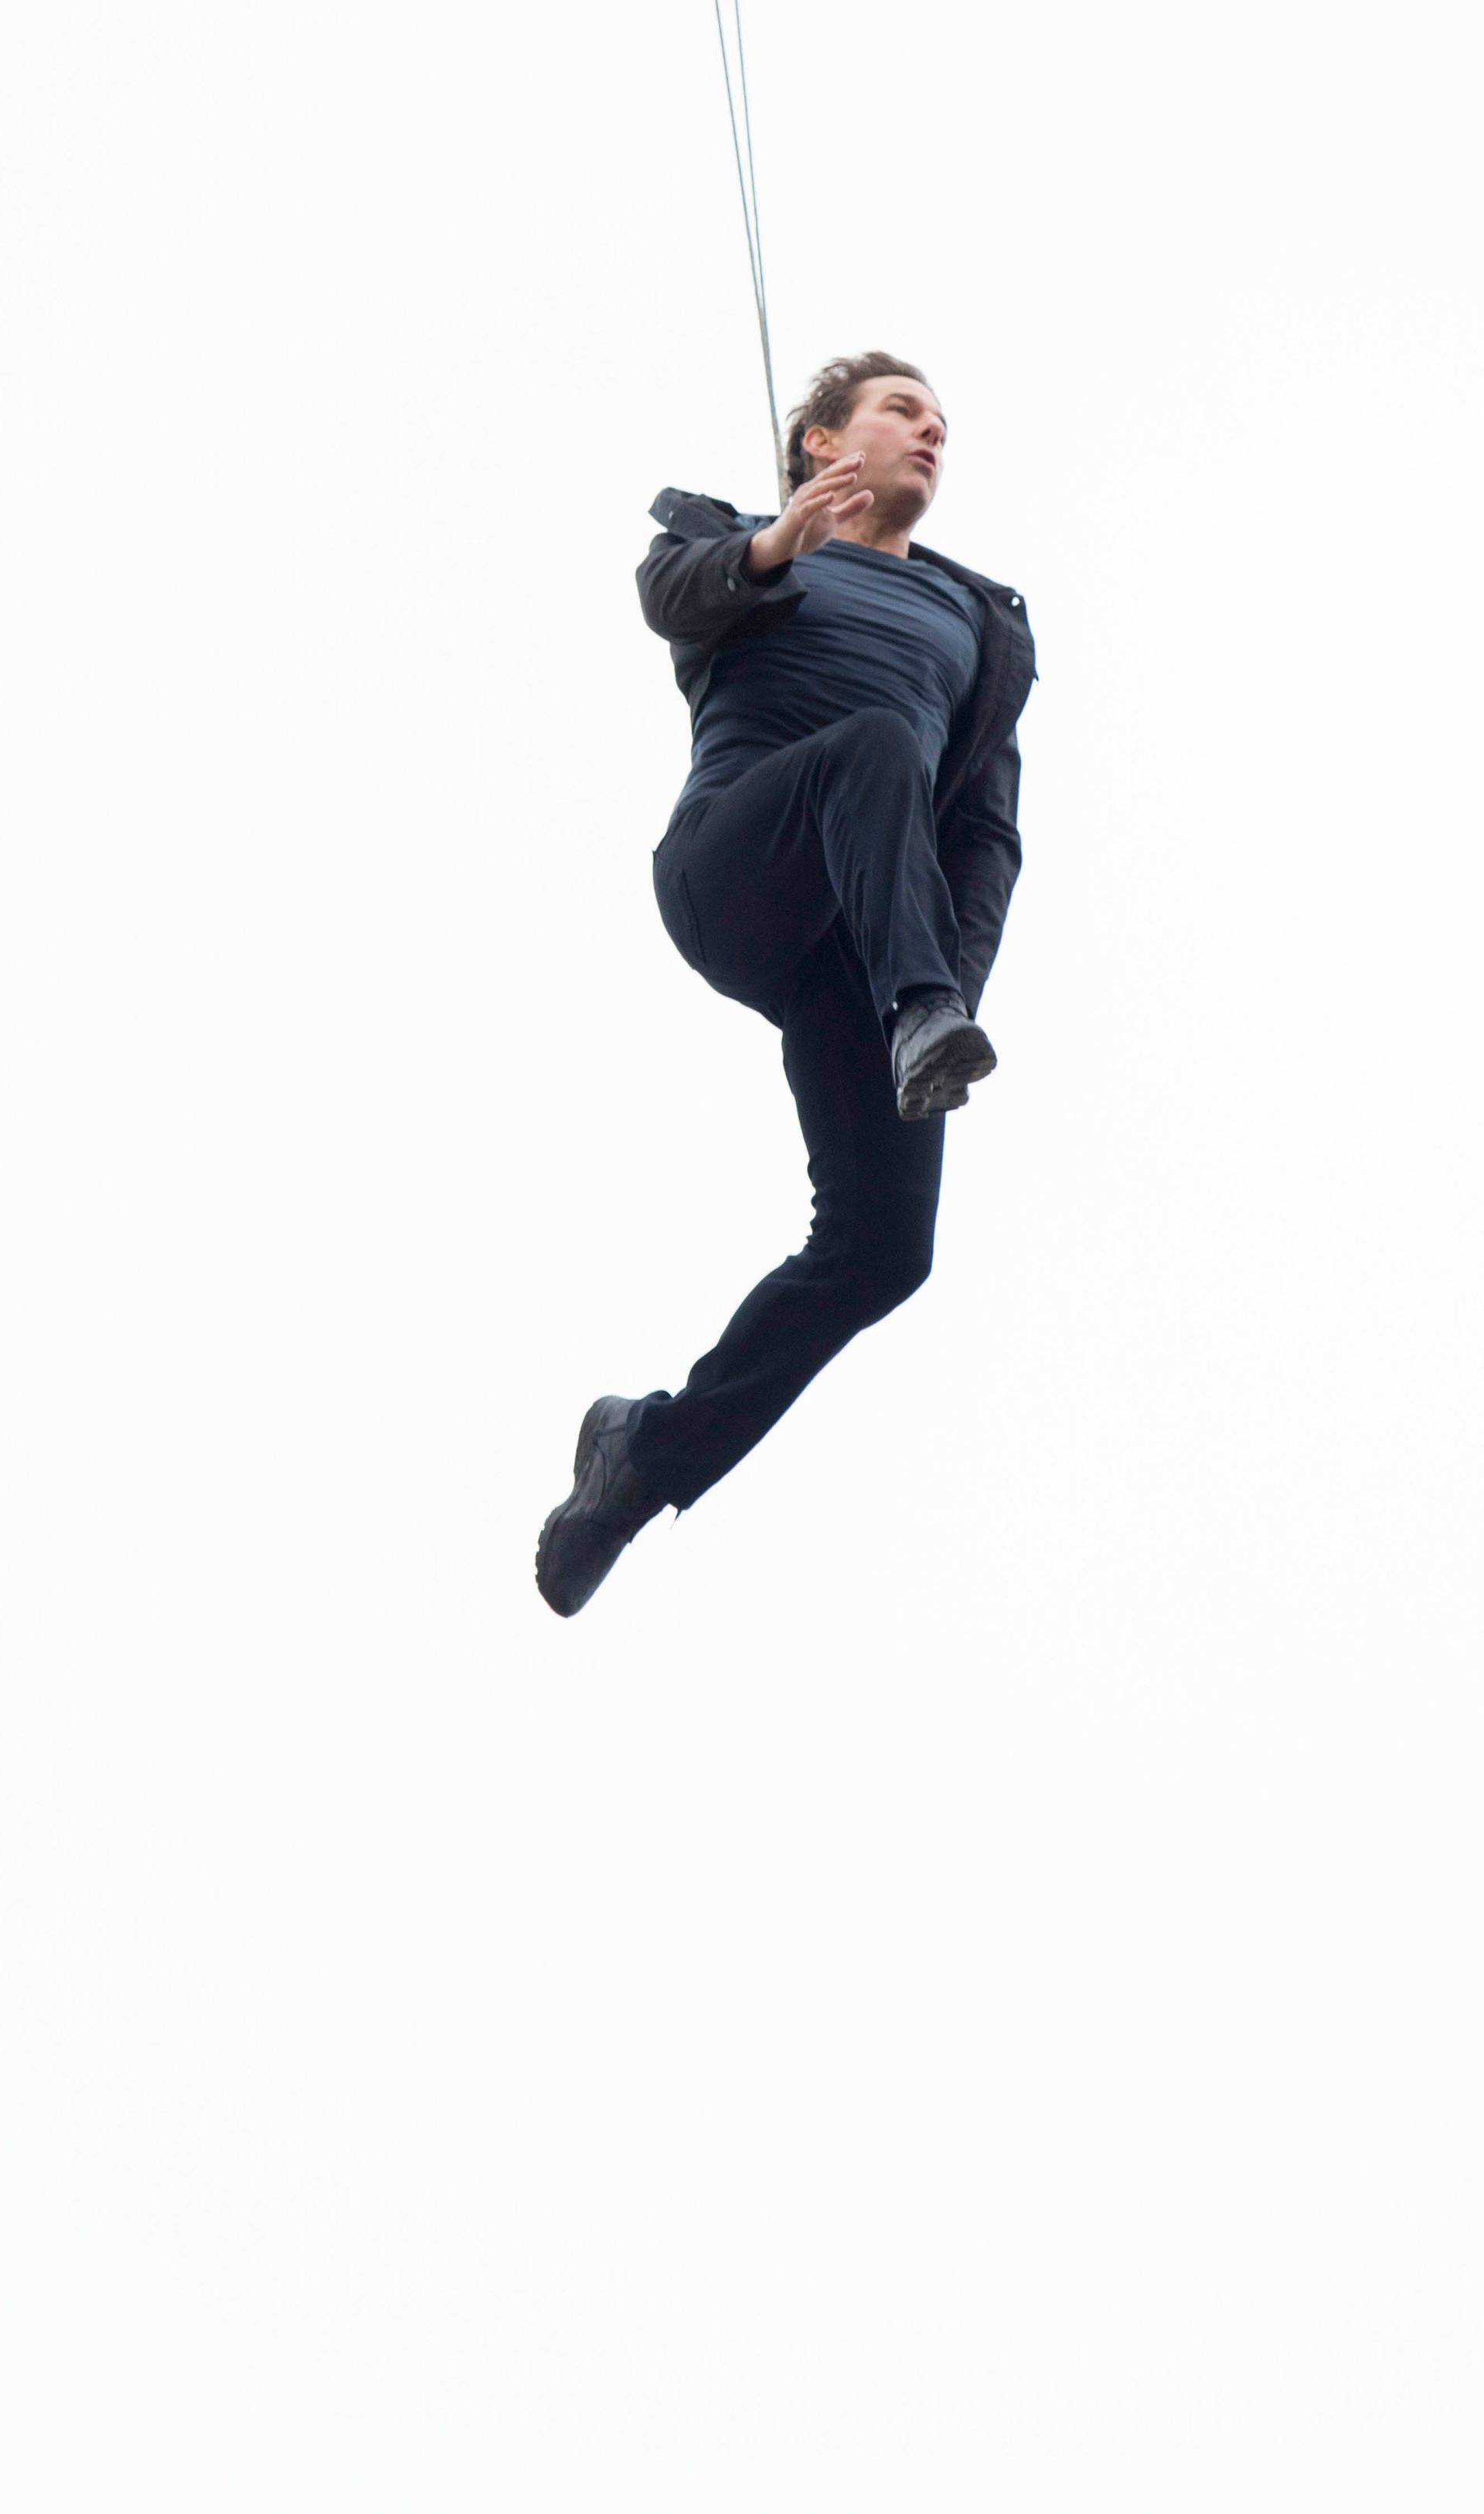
[[943, 1082], [586, 1436]]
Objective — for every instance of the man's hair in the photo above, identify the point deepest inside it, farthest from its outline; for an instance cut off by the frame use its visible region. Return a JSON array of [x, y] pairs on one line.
[[829, 401]]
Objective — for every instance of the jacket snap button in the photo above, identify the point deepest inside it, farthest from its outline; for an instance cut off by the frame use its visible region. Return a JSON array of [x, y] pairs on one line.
[[731, 584]]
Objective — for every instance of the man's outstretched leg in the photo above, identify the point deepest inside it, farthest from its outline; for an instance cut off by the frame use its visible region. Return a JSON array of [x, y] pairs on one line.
[[875, 1202]]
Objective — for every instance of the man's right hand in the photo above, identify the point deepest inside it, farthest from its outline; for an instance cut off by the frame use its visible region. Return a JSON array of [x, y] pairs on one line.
[[810, 516]]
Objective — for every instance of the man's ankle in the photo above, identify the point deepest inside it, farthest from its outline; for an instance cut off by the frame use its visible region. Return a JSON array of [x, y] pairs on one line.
[[928, 987]]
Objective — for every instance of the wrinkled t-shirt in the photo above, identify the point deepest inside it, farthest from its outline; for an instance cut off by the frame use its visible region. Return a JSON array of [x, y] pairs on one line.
[[872, 631]]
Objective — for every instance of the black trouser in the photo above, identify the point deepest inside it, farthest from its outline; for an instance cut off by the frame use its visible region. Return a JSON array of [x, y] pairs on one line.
[[811, 890]]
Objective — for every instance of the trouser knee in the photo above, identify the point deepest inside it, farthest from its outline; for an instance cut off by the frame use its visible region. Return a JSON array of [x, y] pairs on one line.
[[881, 1278], [882, 735]]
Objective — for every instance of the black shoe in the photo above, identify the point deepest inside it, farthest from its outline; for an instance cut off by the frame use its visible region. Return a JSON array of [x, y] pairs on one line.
[[936, 1052], [608, 1505]]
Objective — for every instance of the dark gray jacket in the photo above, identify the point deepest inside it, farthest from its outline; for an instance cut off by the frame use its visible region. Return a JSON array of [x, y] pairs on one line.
[[694, 592]]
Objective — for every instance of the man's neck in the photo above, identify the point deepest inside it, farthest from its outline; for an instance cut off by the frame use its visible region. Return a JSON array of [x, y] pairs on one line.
[[895, 543]]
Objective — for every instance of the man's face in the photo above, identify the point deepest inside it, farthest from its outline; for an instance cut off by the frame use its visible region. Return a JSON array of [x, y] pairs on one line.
[[898, 428]]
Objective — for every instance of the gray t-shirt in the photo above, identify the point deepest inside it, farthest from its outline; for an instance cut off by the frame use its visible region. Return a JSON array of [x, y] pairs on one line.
[[872, 631]]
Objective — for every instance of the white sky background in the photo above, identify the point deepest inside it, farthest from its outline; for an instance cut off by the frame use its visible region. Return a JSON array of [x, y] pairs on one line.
[[953, 1984]]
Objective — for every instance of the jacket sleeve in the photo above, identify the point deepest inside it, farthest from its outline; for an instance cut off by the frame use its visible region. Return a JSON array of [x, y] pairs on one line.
[[695, 589], [979, 852]]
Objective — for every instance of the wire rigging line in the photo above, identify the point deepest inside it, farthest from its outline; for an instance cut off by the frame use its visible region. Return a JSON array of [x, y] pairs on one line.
[[753, 226]]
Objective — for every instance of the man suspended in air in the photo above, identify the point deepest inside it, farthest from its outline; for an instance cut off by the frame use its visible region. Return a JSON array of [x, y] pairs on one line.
[[840, 859]]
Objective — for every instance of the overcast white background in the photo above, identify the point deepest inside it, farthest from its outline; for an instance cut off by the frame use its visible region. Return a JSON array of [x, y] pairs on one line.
[[954, 1983]]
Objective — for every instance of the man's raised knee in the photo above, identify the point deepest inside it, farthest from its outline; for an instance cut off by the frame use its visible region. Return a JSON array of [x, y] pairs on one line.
[[882, 732]]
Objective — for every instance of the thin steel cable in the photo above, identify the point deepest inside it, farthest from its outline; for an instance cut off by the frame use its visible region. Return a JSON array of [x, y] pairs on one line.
[[753, 226], [757, 229], [726, 71]]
